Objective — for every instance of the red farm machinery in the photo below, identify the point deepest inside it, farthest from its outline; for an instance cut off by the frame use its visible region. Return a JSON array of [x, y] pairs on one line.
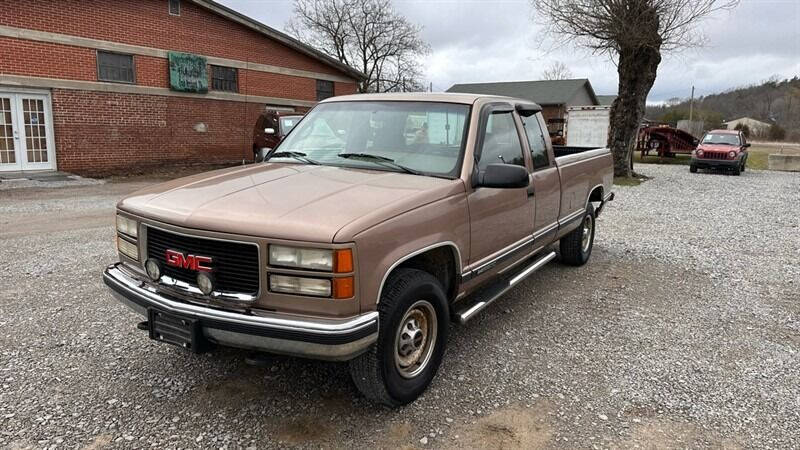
[[665, 141]]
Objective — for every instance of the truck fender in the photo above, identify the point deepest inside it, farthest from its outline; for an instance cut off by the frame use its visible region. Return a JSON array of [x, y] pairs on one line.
[[451, 244]]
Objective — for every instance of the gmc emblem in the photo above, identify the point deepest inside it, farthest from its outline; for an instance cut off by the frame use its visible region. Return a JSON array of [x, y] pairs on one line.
[[191, 262]]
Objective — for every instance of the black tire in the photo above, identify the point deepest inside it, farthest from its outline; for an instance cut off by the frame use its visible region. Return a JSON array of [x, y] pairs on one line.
[[744, 163], [376, 373], [573, 250], [692, 168], [737, 170]]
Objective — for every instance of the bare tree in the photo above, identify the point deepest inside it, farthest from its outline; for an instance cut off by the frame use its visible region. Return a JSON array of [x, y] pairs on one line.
[[368, 35], [557, 71], [633, 33]]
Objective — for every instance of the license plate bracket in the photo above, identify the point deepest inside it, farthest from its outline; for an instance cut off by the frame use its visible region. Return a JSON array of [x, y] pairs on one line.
[[177, 330]]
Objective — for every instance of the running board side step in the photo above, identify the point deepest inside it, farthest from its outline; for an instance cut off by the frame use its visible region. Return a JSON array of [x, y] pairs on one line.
[[490, 293]]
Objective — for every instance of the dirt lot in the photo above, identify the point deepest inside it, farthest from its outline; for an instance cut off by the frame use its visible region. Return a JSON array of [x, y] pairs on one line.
[[682, 331]]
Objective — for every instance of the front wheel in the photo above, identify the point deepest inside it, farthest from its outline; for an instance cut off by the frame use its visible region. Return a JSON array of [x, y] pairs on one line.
[[576, 247], [412, 336], [737, 170], [693, 168]]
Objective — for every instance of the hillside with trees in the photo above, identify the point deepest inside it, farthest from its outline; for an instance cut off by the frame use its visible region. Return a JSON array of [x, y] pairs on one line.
[[774, 101]]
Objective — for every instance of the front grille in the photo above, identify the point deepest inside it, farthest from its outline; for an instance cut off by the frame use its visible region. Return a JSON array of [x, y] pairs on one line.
[[236, 265], [715, 155]]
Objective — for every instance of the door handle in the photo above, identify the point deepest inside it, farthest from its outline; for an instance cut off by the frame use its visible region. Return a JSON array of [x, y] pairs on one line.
[[531, 192]]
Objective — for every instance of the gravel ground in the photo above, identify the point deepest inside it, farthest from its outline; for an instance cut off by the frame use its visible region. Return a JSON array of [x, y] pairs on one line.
[[682, 331]]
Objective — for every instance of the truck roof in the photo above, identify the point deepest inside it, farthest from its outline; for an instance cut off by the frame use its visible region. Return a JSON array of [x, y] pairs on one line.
[[443, 97], [723, 131]]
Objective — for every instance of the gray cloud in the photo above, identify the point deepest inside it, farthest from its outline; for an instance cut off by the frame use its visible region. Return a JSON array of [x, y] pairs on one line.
[[474, 41]]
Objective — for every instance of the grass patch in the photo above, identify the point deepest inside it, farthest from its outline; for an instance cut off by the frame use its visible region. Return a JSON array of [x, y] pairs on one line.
[[626, 181], [651, 159], [757, 160]]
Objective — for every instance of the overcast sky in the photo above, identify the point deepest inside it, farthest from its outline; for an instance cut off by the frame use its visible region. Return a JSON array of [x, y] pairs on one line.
[[482, 41]]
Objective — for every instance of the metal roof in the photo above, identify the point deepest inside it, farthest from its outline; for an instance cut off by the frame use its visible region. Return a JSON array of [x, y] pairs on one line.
[[606, 99], [543, 92], [276, 35]]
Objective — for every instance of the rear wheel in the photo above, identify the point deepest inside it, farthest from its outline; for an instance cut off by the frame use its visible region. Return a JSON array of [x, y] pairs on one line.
[[411, 340], [576, 247]]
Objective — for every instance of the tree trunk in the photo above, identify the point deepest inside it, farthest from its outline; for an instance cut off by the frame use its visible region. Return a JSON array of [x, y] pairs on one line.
[[637, 72]]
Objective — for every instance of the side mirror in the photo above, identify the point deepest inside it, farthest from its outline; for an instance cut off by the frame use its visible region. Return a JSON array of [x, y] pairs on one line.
[[747, 144], [261, 154], [269, 130], [503, 176]]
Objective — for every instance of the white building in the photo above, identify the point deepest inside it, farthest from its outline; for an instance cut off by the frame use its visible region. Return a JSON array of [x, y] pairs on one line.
[[756, 127]]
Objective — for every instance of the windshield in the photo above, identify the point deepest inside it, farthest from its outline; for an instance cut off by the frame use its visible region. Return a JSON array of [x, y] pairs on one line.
[[423, 137], [288, 122], [721, 138]]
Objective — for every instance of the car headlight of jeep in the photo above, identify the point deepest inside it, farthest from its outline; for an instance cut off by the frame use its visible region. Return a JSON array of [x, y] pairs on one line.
[[127, 226]]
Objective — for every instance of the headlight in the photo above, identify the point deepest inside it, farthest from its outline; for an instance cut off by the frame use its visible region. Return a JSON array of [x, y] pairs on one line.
[[129, 249], [699, 152], [328, 260], [732, 154], [127, 226], [299, 285]]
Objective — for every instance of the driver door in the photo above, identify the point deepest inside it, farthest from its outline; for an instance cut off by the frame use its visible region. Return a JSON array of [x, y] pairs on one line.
[[501, 219]]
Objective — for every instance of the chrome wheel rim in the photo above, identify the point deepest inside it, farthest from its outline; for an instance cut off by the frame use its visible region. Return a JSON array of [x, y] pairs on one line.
[[586, 239], [415, 339]]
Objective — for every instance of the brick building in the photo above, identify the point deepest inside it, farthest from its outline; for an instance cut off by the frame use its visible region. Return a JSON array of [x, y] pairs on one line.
[[96, 87]]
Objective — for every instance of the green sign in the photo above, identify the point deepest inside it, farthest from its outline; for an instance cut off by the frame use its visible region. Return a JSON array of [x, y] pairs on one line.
[[187, 73]]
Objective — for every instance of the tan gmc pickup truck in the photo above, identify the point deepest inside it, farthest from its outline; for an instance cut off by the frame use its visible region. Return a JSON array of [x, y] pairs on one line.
[[376, 222]]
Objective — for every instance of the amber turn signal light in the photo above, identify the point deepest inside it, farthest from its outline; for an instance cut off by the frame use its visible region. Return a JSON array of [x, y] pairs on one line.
[[343, 287], [343, 260]]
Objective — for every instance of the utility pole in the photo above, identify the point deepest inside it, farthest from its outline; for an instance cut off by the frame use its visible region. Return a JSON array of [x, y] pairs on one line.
[[691, 106], [430, 89]]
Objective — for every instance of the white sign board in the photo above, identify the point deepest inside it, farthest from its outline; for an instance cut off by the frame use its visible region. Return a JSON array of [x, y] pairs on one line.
[[587, 126]]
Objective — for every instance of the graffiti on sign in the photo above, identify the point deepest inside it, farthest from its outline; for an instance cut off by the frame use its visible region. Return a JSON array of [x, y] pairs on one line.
[[187, 73]]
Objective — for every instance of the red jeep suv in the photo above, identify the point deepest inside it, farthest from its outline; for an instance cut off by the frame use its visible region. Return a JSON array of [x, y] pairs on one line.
[[721, 149], [271, 127]]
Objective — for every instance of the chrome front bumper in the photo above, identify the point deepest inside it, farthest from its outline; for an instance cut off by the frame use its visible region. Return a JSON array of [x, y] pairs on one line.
[[328, 339]]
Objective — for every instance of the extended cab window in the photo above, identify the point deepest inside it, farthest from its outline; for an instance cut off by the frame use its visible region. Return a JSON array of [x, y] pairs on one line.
[[536, 141], [501, 142]]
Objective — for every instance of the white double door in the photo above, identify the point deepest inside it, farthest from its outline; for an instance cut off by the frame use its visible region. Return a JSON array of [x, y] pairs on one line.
[[26, 132]]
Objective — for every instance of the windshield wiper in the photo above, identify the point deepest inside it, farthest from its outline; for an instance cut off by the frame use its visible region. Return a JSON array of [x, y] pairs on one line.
[[300, 156], [381, 160]]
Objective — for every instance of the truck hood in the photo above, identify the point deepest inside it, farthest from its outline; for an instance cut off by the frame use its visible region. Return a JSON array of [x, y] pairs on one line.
[[287, 201]]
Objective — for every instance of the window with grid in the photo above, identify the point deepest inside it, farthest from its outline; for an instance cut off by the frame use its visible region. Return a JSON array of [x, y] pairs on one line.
[[115, 67], [324, 89], [175, 7], [224, 79]]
